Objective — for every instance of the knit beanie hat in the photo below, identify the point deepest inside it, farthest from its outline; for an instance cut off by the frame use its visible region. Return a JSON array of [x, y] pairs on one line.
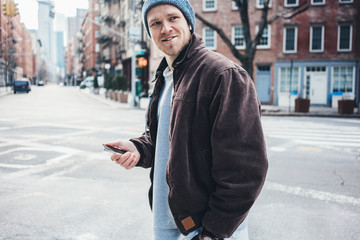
[[183, 5]]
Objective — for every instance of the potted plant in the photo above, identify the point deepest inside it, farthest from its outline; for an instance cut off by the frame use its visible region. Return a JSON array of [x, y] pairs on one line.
[[120, 83], [302, 105], [347, 103], [108, 86], [96, 85]]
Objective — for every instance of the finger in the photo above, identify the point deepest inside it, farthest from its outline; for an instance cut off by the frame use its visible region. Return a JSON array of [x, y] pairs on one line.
[[133, 164], [115, 156], [128, 162], [122, 158]]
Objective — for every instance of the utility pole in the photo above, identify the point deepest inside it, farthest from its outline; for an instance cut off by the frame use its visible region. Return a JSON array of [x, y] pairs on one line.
[[133, 60]]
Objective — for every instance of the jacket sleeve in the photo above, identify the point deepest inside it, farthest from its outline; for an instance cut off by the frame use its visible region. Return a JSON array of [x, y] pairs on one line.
[[146, 150], [239, 161]]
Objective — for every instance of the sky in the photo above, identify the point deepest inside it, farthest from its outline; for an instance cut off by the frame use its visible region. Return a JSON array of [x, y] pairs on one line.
[[29, 10]]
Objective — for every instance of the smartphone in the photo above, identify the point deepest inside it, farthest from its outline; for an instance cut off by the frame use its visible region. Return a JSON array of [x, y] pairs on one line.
[[109, 148]]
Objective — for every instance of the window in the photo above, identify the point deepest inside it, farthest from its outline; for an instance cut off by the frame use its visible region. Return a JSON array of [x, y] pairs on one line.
[[344, 37], [265, 38], [233, 6], [343, 79], [291, 3], [261, 3], [290, 39], [209, 38], [209, 5], [345, 1], [289, 78], [316, 39], [238, 38], [317, 2], [97, 33], [97, 47]]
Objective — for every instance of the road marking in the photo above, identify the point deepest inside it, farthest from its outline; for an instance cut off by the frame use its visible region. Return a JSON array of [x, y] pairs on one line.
[[25, 157], [327, 143], [277, 149], [17, 166], [328, 138], [309, 149], [86, 236], [309, 193]]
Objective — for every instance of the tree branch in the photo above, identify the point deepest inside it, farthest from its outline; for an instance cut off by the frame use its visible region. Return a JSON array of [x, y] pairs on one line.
[[291, 13], [223, 36]]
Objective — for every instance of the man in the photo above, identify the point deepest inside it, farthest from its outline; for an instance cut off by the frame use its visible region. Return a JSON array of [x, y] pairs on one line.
[[204, 141]]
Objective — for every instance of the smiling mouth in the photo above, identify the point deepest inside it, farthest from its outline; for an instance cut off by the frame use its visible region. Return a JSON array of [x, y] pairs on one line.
[[168, 39]]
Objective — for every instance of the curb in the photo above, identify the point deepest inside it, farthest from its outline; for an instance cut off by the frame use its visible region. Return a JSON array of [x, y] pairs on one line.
[[264, 112], [5, 94], [314, 114]]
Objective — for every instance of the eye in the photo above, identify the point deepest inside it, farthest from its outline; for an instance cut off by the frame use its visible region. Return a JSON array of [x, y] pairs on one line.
[[153, 24], [173, 18]]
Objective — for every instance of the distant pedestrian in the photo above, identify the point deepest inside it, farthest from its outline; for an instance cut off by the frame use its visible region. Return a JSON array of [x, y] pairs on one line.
[[204, 141]]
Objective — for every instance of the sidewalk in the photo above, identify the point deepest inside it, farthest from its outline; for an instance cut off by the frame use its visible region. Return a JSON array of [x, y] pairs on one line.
[[267, 110], [5, 91], [314, 111]]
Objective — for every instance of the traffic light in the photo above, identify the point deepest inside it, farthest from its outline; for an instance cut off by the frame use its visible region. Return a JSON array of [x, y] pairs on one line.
[[6, 8], [14, 9], [10, 8], [142, 62]]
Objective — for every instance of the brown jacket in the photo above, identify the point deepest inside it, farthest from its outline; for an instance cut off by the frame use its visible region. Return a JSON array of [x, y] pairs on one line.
[[218, 162]]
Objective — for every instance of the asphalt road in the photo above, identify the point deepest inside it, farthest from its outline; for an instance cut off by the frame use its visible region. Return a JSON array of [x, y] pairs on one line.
[[57, 183]]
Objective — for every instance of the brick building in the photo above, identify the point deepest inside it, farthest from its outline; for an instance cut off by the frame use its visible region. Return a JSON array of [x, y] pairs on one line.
[[16, 58], [26, 56], [319, 44], [90, 47]]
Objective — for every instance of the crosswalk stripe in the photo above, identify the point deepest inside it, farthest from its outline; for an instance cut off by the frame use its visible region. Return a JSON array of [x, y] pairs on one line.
[[310, 193], [314, 134], [342, 139]]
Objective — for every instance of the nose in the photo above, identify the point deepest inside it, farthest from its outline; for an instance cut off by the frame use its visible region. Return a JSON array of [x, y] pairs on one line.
[[166, 27]]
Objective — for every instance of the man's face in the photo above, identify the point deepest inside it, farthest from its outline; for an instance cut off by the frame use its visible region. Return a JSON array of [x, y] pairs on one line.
[[169, 29]]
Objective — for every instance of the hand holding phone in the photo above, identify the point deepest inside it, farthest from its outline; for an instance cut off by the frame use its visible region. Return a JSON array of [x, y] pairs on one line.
[[112, 149]]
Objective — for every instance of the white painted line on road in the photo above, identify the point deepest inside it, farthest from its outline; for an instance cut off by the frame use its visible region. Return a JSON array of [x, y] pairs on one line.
[[314, 131], [57, 162], [327, 143], [86, 236], [4, 165], [277, 149], [309, 193], [298, 136]]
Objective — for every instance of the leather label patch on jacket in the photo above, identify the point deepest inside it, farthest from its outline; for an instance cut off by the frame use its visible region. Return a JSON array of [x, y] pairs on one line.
[[188, 223]]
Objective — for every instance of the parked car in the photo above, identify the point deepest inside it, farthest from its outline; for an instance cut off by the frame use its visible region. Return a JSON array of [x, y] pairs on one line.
[[40, 83], [89, 82], [22, 85]]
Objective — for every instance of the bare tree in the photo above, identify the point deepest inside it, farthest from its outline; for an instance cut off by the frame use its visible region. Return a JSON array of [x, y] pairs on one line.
[[42, 71], [247, 57], [8, 60]]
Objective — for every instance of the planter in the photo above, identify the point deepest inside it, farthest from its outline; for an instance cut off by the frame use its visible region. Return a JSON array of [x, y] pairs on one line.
[[123, 97], [116, 95], [346, 106], [111, 94], [302, 105]]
